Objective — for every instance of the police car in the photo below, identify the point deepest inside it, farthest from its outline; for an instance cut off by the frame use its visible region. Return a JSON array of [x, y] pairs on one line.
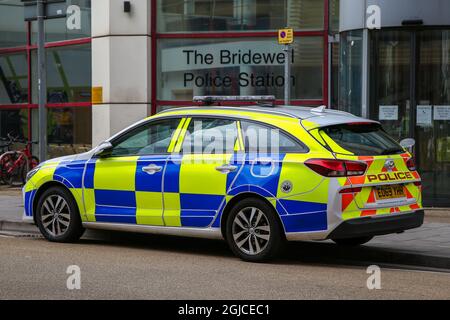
[[255, 176]]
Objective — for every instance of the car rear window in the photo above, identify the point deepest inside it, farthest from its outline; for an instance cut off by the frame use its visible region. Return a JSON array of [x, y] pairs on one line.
[[362, 139]]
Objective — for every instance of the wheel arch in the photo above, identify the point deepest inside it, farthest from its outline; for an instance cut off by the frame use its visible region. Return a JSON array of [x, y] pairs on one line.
[[242, 196], [47, 185]]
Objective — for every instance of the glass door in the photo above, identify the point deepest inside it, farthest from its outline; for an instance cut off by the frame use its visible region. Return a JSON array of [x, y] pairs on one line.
[[410, 96], [432, 125]]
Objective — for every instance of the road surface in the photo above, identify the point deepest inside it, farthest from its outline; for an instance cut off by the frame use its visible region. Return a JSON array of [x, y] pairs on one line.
[[119, 266]]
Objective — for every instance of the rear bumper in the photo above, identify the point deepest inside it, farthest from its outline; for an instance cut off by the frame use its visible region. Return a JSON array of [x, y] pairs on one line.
[[377, 226]]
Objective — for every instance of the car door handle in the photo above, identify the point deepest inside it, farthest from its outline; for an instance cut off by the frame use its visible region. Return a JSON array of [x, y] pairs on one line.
[[152, 169], [226, 168]]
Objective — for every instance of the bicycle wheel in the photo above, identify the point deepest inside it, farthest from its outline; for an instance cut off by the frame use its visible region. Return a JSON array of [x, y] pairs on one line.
[[6, 163]]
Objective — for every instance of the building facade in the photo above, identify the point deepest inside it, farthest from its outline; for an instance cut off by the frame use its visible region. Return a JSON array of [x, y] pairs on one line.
[[108, 67], [399, 74]]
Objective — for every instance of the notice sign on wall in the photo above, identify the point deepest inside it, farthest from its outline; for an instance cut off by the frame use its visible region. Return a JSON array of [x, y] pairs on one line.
[[441, 113], [424, 116], [388, 113]]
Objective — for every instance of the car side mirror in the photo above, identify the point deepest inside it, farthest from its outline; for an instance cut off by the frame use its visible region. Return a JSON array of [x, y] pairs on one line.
[[408, 144], [103, 150]]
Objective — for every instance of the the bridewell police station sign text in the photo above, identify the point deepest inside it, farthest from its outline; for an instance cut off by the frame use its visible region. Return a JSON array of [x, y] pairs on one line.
[[226, 65]]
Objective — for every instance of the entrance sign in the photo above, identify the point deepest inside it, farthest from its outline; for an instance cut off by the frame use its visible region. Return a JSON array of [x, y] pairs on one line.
[[424, 116], [388, 113], [285, 36], [441, 113]]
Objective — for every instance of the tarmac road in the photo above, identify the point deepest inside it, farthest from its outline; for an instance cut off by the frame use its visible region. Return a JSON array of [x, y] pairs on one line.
[[118, 266]]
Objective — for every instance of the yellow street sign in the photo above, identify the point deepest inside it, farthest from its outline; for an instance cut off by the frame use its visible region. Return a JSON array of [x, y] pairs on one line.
[[285, 36]]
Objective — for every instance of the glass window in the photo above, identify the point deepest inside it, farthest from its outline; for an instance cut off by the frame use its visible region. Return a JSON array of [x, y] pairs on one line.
[[266, 140], [68, 74], [188, 67], [238, 15], [13, 78], [210, 136], [390, 81], [14, 122], [153, 138], [350, 74], [76, 25], [69, 130], [362, 140], [433, 137], [13, 31]]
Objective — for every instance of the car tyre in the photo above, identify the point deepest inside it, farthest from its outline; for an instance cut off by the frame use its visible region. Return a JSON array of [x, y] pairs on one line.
[[352, 242], [58, 217], [253, 231]]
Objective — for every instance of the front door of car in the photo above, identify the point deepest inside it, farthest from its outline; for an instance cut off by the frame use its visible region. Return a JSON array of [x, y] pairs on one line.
[[125, 186], [200, 171]]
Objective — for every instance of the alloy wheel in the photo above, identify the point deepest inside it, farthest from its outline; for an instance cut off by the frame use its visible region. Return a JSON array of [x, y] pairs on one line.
[[251, 230], [55, 215]]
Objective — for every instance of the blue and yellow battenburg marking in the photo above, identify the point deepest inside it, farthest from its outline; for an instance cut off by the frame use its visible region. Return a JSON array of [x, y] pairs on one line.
[[188, 191]]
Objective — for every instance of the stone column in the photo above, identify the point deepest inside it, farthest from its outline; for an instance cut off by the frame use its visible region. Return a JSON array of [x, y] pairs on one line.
[[120, 65]]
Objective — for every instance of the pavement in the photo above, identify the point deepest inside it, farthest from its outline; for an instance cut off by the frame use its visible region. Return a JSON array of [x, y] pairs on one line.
[[425, 247]]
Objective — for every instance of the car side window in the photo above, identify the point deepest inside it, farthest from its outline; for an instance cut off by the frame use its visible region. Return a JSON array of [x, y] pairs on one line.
[[210, 136], [148, 139], [263, 139]]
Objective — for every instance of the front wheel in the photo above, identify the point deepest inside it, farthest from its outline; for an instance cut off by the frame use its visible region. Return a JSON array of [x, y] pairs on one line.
[[57, 216], [253, 231], [352, 242]]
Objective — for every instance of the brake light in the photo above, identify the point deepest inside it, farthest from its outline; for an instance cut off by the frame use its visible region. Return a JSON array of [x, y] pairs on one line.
[[411, 164], [336, 168], [418, 183], [351, 190]]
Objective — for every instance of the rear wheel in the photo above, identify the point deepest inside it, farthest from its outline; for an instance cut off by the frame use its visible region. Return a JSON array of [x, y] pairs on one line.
[[253, 231], [353, 242], [57, 216]]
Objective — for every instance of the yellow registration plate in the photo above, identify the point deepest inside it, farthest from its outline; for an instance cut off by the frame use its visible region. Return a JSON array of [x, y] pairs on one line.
[[389, 192]]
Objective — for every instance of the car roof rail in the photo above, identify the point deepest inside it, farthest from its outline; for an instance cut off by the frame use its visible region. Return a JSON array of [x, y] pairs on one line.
[[210, 100]]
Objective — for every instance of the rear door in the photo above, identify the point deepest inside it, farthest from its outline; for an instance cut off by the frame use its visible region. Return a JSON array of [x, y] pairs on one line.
[[391, 180], [199, 170]]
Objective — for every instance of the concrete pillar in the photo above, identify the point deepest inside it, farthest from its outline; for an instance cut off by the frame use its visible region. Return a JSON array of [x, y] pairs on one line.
[[120, 65]]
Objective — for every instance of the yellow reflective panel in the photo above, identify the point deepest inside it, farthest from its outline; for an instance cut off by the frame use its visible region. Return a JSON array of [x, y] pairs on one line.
[[172, 209], [198, 174], [149, 208], [89, 204], [117, 173], [78, 196], [44, 174], [176, 135], [179, 142], [301, 178]]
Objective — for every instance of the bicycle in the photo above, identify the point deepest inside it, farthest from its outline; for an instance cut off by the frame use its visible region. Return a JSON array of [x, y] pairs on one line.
[[16, 164]]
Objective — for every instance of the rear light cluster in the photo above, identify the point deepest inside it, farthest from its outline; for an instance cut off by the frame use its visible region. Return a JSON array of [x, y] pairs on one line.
[[411, 164], [337, 168]]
